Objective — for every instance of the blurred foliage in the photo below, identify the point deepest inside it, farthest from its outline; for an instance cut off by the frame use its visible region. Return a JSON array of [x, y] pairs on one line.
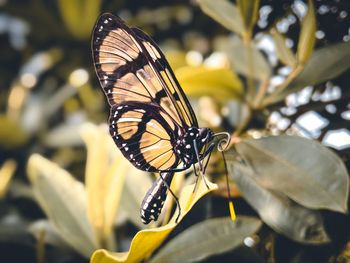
[[257, 69]]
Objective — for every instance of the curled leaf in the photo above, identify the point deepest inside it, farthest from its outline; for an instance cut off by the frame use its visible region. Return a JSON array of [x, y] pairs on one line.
[[145, 242]]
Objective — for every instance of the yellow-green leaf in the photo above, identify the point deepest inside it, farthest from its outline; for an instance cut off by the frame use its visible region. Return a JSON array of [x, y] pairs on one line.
[[6, 172], [249, 10], [79, 16], [176, 58], [219, 83], [223, 12], [11, 134], [63, 200], [145, 242], [104, 179], [307, 35], [95, 171], [115, 179], [284, 53]]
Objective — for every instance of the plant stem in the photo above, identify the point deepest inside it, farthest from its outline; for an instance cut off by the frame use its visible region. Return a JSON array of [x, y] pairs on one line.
[[250, 83], [241, 126], [260, 94]]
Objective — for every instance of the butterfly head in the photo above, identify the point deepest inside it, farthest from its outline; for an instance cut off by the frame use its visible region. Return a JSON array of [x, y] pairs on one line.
[[195, 139]]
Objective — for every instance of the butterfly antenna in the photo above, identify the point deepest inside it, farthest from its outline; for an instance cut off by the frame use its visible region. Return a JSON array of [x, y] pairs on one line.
[[174, 196], [222, 146], [224, 142], [209, 150], [230, 203]]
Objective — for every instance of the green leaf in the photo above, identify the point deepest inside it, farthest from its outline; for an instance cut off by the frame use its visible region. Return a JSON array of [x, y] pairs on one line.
[[224, 13], [219, 83], [275, 209], [249, 10], [246, 60], [325, 64], [303, 169], [210, 237], [284, 53], [145, 242], [63, 200], [307, 35]]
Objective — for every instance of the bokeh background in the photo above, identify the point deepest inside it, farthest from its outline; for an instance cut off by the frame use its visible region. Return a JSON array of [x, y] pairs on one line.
[[48, 91]]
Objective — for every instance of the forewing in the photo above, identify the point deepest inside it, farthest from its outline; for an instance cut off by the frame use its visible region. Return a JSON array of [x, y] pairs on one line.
[[167, 78], [127, 72]]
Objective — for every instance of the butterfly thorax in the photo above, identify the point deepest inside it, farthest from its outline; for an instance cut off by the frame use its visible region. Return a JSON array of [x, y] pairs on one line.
[[193, 138]]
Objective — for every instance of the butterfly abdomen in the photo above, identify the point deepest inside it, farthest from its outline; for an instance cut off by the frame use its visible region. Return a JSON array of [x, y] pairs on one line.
[[154, 199]]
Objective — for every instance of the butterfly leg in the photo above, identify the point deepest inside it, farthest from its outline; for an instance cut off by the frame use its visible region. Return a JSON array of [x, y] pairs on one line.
[[196, 174], [174, 196], [206, 152], [209, 151], [200, 164]]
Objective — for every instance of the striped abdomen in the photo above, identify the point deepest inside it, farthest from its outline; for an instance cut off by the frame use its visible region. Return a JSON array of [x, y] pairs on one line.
[[154, 199]]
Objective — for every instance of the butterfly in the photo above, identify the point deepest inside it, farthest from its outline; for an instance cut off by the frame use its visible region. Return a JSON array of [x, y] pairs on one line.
[[151, 120]]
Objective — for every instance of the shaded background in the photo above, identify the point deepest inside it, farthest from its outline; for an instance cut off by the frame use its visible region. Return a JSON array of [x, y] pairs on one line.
[[48, 87]]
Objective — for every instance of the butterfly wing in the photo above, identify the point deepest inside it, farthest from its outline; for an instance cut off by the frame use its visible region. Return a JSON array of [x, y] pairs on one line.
[[146, 114], [167, 77], [143, 136], [127, 71]]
